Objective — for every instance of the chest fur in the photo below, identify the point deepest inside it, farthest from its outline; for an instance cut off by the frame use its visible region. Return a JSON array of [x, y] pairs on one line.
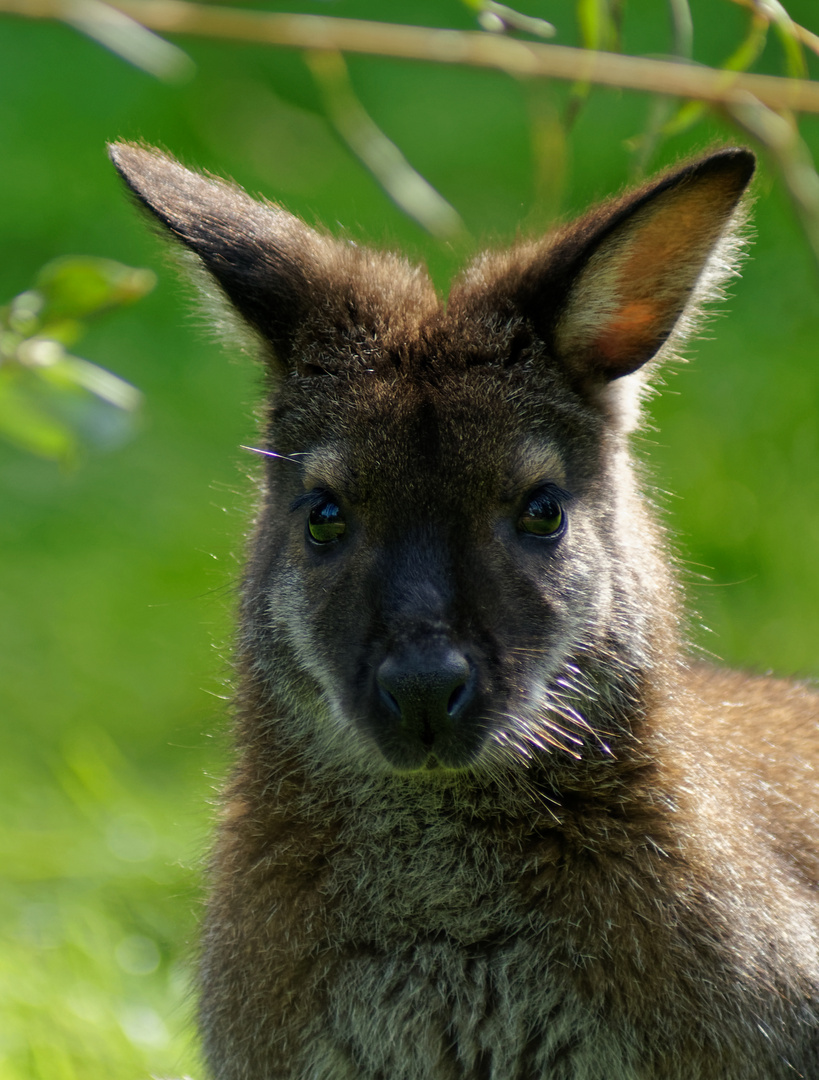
[[430, 946]]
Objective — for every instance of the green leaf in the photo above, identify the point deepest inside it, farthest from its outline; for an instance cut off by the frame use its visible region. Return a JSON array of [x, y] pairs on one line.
[[74, 289], [23, 314], [51, 402], [598, 24], [54, 410], [26, 423]]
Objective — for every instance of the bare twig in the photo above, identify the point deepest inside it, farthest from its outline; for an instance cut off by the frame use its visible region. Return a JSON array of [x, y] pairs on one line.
[[780, 137], [129, 39], [471, 48], [662, 107], [766, 11], [405, 186], [682, 26], [499, 18]]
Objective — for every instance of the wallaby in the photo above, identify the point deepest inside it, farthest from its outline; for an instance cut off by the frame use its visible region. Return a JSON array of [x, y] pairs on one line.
[[489, 820]]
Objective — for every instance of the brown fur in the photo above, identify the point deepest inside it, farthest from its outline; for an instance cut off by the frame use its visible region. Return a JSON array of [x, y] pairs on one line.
[[488, 820]]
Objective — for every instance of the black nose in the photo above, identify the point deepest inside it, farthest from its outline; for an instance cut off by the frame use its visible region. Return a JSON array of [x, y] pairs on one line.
[[428, 690]]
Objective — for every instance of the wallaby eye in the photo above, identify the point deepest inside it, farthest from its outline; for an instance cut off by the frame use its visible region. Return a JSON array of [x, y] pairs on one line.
[[325, 523], [543, 515]]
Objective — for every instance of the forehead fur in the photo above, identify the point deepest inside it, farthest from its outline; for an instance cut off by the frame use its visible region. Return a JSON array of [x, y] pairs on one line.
[[377, 312], [368, 308], [381, 350], [441, 401]]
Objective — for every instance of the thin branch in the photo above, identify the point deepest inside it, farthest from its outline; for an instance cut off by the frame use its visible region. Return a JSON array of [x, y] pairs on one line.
[[683, 28], [498, 18], [780, 137], [471, 48], [129, 39], [806, 37], [404, 184]]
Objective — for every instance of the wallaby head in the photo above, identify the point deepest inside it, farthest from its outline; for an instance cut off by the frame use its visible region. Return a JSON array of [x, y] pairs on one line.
[[457, 842], [450, 569]]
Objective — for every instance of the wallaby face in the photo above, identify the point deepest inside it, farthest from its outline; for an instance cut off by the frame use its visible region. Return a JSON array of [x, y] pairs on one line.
[[487, 821], [433, 594]]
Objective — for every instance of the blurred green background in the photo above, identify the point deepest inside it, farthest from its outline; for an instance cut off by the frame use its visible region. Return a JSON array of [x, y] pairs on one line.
[[117, 577]]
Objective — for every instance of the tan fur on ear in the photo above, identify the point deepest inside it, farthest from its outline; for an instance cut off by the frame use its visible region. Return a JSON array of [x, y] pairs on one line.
[[652, 269]]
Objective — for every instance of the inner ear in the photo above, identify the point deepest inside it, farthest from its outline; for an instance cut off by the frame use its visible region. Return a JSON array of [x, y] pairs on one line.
[[664, 253]]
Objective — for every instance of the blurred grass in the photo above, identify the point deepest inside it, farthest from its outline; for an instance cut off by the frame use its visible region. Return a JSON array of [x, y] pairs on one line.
[[117, 578], [97, 905]]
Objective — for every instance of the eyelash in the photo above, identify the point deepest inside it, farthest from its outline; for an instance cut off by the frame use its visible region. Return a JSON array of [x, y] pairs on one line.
[[311, 498]]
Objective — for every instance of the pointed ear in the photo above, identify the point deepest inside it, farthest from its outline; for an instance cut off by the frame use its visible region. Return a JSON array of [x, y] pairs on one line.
[[647, 263], [263, 258], [606, 292]]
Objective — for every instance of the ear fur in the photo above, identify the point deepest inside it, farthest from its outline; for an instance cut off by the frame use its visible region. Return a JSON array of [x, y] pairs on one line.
[[289, 282], [606, 292], [260, 255]]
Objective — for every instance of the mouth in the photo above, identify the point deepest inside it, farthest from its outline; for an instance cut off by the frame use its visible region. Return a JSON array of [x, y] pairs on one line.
[[404, 751]]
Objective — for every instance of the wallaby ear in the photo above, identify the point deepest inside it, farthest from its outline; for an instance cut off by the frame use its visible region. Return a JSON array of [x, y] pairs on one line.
[[645, 265], [320, 304], [607, 291], [263, 258]]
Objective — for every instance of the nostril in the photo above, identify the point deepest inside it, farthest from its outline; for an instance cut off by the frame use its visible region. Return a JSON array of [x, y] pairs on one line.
[[456, 700], [388, 699]]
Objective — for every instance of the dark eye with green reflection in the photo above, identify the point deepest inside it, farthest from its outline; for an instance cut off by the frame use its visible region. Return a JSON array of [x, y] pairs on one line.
[[543, 515], [325, 523]]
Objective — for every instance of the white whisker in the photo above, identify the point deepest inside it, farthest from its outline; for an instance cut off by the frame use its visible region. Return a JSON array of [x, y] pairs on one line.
[[272, 454]]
